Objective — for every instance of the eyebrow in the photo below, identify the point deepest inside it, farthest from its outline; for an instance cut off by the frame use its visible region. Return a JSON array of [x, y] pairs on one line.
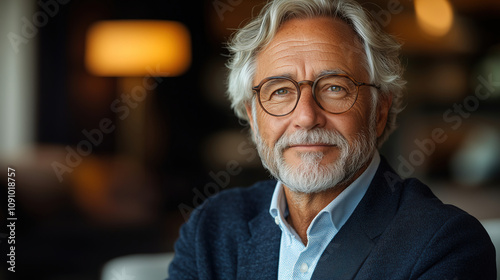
[[272, 82], [324, 72], [334, 71]]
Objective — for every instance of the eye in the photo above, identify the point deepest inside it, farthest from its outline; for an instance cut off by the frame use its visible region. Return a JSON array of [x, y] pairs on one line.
[[335, 88], [281, 91], [333, 91]]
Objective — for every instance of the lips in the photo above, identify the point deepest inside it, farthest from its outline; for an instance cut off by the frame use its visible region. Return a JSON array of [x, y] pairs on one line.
[[316, 146], [311, 145]]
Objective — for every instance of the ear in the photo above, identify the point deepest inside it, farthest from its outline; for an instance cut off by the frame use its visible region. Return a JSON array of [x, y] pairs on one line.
[[383, 107], [248, 107]]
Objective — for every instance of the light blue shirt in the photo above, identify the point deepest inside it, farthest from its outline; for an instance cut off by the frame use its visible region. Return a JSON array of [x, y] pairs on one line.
[[298, 261]]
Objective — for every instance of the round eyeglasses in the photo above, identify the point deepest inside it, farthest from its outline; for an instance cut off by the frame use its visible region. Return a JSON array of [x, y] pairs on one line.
[[334, 93]]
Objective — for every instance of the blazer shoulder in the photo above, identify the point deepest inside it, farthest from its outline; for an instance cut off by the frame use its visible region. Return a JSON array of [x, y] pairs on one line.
[[417, 195], [426, 213], [238, 203], [258, 195], [448, 236], [429, 239]]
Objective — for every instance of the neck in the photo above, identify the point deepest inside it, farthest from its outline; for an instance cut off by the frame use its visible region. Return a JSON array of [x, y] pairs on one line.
[[304, 207]]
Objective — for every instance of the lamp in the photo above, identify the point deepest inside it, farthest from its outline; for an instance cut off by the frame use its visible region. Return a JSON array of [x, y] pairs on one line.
[[435, 17], [135, 51], [128, 47]]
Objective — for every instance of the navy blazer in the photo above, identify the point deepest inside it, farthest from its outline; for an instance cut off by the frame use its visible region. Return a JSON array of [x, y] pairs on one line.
[[399, 230]]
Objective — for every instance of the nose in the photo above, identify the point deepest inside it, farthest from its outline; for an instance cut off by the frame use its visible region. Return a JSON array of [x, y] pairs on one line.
[[308, 115]]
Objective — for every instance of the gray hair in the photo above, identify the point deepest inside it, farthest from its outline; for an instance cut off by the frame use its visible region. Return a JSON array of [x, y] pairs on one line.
[[381, 50]]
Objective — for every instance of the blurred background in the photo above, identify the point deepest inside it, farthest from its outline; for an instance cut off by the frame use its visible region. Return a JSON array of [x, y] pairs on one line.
[[114, 141]]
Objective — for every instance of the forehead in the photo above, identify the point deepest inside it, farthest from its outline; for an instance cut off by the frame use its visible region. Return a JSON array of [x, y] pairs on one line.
[[303, 48]]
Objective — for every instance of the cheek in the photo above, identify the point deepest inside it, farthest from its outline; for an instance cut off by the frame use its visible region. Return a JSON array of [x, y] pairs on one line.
[[363, 113], [270, 128], [352, 122]]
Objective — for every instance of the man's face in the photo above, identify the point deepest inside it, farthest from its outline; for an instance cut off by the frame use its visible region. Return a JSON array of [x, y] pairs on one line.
[[302, 49]]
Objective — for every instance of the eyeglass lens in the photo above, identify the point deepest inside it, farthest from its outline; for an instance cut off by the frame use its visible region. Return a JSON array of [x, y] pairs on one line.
[[335, 94]]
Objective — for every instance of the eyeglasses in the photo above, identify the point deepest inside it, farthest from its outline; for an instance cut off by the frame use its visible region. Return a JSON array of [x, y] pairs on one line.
[[334, 93]]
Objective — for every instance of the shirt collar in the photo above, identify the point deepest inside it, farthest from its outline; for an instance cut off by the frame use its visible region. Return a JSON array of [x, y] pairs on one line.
[[334, 214]]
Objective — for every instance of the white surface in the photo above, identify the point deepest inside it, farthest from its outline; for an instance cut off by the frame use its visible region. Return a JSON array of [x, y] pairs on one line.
[[17, 76], [138, 267], [492, 226]]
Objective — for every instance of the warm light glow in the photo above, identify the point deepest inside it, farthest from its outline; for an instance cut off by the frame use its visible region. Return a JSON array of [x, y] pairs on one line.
[[434, 16], [138, 48]]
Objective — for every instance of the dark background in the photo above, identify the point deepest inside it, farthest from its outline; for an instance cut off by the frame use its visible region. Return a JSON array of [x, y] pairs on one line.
[[112, 204]]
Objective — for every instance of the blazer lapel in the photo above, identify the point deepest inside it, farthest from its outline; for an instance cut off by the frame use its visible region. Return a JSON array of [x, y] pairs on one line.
[[347, 252], [258, 257], [344, 255]]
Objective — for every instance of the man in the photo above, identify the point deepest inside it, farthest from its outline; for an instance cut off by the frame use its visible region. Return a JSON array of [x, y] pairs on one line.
[[320, 85]]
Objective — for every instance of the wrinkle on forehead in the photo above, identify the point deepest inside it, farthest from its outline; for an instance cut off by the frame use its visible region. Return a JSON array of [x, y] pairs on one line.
[[301, 42], [350, 40]]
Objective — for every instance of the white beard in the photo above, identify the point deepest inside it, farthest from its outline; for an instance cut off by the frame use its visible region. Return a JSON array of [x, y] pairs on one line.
[[310, 175]]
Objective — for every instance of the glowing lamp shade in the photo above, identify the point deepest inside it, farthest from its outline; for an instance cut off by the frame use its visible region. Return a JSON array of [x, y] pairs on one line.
[[435, 17], [137, 48]]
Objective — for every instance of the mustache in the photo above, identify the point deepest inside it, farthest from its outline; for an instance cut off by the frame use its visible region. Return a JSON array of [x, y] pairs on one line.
[[308, 137]]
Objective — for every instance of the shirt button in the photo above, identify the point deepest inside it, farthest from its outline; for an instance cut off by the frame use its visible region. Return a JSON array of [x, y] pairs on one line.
[[277, 220], [304, 267]]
